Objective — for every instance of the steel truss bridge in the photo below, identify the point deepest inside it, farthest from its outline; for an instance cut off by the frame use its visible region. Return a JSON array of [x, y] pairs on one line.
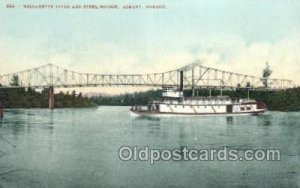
[[195, 76]]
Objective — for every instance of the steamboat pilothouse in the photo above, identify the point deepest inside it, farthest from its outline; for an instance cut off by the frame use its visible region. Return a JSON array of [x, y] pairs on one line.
[[174, 103]]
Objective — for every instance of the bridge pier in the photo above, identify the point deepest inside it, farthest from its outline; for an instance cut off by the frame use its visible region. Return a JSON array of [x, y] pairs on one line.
[[51, 98]]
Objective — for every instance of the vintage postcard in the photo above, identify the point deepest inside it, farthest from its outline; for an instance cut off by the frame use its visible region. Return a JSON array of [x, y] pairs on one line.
[[139, 93]]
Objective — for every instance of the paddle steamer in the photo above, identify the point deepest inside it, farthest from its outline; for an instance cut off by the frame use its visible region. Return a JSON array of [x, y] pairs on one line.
[[174, 103]]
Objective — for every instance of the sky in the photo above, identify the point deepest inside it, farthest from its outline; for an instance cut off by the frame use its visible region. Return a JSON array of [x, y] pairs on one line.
[[234, 35]]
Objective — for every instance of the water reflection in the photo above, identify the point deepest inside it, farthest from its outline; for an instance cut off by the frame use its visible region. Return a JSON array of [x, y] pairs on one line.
[[267, 120], [154, 127], [1, 122], [229, 120], [51, 122], [150, 118], [18, 121], [181, 133], [50, 128]]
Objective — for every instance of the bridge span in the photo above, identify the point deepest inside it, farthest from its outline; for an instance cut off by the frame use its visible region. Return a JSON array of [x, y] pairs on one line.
[[195, 75]]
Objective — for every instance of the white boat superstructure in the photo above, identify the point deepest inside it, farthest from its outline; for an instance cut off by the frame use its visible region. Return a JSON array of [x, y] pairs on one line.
[[174, 103]]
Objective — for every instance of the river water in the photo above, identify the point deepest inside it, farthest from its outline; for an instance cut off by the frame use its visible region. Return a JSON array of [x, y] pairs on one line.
[[79, 148]]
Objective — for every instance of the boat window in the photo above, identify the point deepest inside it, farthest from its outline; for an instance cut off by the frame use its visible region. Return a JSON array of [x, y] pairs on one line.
[[242, 108], [248, 108]]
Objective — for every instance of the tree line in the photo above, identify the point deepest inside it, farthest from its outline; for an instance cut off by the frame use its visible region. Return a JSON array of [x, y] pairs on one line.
[[29, 98], [280, 100]]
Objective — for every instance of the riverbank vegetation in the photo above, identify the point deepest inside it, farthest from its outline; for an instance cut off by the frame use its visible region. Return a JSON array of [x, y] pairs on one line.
[[283, 100], [129, 99], [30, 98], [21, 98]]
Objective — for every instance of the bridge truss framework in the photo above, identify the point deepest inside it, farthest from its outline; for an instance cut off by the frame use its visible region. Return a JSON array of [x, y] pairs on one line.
[[195, 76]]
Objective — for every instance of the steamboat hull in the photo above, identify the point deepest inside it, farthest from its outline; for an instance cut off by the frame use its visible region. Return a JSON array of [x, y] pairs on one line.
[[166, 114]]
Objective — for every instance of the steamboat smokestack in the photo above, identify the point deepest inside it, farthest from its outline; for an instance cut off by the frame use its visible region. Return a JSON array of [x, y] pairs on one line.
[[181, 81]]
